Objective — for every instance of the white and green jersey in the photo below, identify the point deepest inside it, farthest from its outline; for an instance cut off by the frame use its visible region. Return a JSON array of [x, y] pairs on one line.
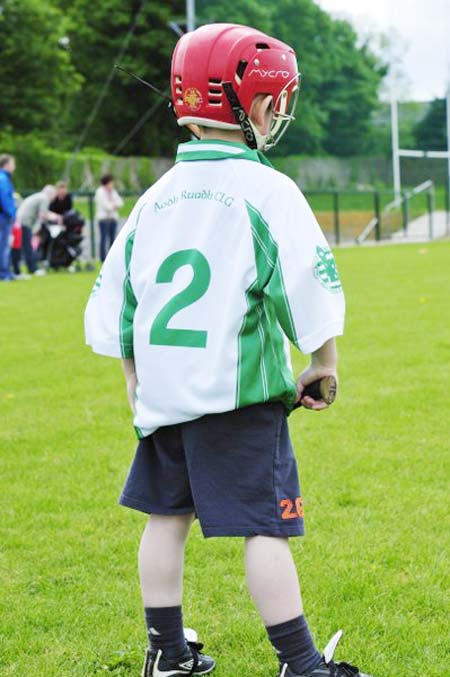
[[220, 265]]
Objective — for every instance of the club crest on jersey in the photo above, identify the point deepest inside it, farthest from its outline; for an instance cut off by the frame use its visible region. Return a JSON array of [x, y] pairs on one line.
[[325, 270], [193, 98]]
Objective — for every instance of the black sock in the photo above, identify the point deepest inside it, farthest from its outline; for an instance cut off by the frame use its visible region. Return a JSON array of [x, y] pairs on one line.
[[165, 630], [294, 645]]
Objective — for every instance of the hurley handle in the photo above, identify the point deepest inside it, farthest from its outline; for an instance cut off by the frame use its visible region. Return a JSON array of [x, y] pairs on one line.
[[323, 389]]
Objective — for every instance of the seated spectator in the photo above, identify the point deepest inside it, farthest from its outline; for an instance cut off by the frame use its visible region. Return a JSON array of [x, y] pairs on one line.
[[107, 203], [63, 202], [32, 212]]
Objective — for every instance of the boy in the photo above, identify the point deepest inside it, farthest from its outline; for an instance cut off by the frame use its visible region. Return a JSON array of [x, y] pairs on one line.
[[220, 264]]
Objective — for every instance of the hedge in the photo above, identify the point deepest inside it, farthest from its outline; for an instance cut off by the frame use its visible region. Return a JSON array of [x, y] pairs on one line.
[[39, 164]]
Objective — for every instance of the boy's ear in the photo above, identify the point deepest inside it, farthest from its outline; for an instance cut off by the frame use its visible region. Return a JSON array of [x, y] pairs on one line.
[[261, 112]]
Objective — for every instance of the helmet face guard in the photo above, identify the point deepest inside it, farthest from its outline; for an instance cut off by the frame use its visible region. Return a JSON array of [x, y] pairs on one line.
[[218, 70], [283, 111]]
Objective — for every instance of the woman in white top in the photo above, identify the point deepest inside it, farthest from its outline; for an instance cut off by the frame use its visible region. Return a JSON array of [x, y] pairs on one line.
[[107, 203]]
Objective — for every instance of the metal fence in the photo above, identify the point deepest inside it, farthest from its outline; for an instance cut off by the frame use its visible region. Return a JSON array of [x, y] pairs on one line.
[[375, 215], [342, 214], [346, 216]]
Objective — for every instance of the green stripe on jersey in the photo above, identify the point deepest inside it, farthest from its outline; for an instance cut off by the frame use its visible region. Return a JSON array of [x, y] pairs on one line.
[[250, 381], [269, 271], [277, 292], [263, 371], [129, 304]]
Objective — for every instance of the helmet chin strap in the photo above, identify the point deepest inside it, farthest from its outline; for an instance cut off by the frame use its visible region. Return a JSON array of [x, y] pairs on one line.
[[253, 138]]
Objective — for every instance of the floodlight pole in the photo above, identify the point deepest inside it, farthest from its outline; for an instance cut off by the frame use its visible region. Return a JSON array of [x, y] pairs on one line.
[[190, 15], [395, 146]]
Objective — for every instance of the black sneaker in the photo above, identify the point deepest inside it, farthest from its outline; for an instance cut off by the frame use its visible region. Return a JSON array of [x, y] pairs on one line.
[[191, 663], [327, 668]]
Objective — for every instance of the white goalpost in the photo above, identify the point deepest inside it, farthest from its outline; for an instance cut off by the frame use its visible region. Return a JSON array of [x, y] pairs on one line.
[[426, 186], [398, 153]]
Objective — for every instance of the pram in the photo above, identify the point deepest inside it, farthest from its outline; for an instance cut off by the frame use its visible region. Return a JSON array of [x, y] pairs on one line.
[[60, 245]]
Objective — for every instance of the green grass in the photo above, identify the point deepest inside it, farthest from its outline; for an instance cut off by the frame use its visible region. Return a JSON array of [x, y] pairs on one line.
[[374, 473]]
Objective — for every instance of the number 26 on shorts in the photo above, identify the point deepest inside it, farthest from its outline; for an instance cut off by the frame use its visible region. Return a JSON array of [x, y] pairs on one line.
[[292, 509]]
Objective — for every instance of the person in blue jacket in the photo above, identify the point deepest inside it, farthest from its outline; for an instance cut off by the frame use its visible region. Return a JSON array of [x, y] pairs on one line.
[[7, 213]]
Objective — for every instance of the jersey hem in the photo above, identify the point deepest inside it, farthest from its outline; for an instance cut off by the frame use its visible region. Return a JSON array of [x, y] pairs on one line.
[[287, 398], [313, 341]]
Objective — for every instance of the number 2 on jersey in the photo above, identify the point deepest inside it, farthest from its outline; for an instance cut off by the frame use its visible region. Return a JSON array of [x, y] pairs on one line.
[[160, 334]]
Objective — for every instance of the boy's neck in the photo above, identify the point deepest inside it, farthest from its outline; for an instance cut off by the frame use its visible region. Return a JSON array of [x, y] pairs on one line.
[[234, 136]]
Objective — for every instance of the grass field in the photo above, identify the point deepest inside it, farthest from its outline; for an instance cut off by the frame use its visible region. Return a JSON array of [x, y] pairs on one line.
[[374, 472]]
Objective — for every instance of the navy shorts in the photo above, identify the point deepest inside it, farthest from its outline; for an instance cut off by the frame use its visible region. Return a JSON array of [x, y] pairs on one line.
[[236, 471]]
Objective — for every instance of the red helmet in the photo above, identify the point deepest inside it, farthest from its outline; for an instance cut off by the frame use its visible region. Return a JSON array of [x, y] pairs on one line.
[[218, 69]]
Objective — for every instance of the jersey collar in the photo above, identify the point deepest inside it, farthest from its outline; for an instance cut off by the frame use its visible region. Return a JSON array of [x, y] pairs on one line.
[[210, 149]]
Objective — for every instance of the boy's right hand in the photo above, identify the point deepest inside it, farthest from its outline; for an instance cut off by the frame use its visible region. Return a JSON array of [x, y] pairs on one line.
[[323, 363], [309, 375]]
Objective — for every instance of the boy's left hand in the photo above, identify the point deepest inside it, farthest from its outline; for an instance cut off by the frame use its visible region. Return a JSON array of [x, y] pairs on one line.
[[129, 370], [131, 391]]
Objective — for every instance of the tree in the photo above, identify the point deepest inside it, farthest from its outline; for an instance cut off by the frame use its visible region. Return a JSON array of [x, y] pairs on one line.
[[431, 132], [339, 85], [37, 78], [40, 81], [248, 12], [352, 94], [98, 33]]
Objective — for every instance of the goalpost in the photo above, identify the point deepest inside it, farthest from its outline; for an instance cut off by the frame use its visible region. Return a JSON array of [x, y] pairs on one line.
[[398, 152]]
